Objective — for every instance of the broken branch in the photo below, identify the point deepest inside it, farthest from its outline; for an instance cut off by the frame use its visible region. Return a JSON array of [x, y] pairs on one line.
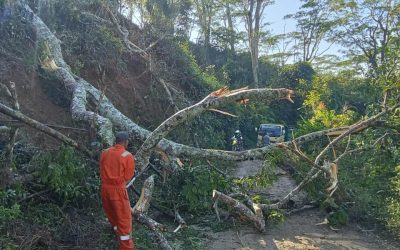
[[45, 129], [241, 210]]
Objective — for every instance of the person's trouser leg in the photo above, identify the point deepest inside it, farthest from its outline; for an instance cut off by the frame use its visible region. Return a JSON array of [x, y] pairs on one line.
[[123, 213], [108, 210]]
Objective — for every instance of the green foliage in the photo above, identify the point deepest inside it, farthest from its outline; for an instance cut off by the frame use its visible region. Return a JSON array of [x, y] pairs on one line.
[[264, 179], [45, 214], [65, 173], [16, 37], [297, 77], [274, 217], [142, 239], [83, 44], [30, 60], [188, 239], [198, 187], [9, 196], [338, 218], [108, 40], [191, 189], [208, 80], [206, 131], [259, 199], [371, 181], [9, 208], [393, 204], [10, 211], [77, 66], [325, 106], [9, 214]]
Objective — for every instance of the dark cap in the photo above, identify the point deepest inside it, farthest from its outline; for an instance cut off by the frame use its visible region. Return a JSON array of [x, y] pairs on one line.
[[121, 136]]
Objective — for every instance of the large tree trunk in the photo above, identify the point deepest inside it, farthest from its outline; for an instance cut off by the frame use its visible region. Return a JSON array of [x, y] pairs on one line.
[[254, 58], [231, 30], [253, 19]]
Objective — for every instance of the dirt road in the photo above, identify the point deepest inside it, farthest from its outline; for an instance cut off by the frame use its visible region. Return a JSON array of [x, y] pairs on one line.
[[299, 231]]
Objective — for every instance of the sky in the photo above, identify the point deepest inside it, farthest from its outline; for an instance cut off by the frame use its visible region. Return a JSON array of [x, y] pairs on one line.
[[274, 15]]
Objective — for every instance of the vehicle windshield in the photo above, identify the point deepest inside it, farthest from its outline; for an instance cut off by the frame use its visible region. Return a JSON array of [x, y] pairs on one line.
[[273, 130]]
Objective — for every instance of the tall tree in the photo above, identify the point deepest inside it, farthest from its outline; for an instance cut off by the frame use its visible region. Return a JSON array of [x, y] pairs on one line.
[[161, 15], [253, 11], [367, 28], [229, 20], [205, 11], [224, 32], [313, 24]]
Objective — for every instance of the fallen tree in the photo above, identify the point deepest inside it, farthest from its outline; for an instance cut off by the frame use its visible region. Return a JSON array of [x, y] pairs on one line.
[[109, 117], [81, 91], [329, 167]]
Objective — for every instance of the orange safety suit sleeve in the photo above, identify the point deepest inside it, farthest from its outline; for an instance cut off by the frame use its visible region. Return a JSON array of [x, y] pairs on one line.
[[129, 169]]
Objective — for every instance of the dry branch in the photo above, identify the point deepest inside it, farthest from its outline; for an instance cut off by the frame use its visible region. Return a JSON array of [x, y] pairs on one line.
[[11, 93], [181, 221], [9, 152], [311, 175], [16, 123], [140, 210], [145, 197], [45, 129]]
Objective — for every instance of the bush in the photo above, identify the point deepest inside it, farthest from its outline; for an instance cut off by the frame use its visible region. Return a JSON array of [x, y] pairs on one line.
[[393, 205], [191, 189], [198, 187], [275, 217], [66, 174], [205, 77], [9, 214]]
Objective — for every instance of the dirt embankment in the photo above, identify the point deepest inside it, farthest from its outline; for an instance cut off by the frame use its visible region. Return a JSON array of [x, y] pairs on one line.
[[299, 231]]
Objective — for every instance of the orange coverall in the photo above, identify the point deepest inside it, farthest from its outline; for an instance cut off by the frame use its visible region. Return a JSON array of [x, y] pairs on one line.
[[117, 166]]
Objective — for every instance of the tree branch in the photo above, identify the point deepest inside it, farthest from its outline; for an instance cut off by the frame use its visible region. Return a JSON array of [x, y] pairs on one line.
[[45, 129], [213, 100], [241, 210]]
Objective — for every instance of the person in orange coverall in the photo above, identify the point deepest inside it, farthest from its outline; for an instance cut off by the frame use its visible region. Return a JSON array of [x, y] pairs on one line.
[[117, 167]]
